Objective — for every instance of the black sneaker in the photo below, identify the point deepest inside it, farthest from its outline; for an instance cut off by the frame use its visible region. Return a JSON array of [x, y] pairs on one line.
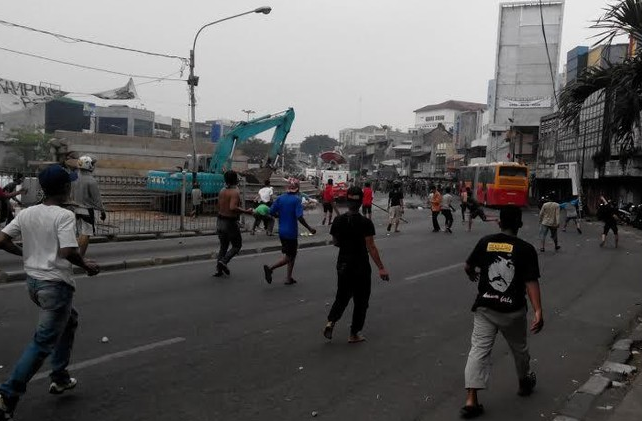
[[389, 227], [223, 267], [527, 384], [56, 388], [268, 274], [6, 412]]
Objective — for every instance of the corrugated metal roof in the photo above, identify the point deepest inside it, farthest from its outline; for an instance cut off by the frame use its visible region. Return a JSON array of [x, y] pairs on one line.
[[454, 105]]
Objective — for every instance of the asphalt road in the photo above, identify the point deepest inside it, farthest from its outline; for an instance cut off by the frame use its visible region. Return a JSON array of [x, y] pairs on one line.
[[186, 346]]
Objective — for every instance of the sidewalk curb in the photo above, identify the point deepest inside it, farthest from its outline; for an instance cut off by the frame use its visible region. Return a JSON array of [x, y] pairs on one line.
[[579, 404], [20, 276]]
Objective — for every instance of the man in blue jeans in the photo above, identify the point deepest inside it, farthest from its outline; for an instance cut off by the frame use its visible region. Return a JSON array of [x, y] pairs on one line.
[[49, 249]]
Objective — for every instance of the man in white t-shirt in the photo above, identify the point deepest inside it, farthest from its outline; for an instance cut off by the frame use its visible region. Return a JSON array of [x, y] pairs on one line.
[[266, 193], [49, 248]]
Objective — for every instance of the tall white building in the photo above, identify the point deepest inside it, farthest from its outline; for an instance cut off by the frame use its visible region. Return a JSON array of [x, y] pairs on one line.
[[360, 137]]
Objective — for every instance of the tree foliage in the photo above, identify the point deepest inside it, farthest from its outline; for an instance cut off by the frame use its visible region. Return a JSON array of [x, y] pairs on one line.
[[255, 149], [618, 84], [27, 145], [316, 144]]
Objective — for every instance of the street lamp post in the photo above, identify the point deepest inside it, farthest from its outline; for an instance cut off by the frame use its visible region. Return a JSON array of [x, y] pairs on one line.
[[248, 112], [192, 81]]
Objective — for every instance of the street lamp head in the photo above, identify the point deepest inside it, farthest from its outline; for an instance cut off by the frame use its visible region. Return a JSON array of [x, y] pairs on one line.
[[265, 10]]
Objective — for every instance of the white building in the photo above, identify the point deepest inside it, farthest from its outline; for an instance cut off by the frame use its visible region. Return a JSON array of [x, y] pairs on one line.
[[360, 137], [430, 116]]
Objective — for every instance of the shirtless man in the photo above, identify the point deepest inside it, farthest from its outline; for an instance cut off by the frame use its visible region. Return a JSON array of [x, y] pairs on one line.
[[229, 202]]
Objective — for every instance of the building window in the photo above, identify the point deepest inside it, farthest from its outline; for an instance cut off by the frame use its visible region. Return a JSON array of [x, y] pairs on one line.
[[440, 118], [432, 118]]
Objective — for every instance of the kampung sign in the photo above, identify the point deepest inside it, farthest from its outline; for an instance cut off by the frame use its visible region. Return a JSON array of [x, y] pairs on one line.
[[527, 102], [16, 96]]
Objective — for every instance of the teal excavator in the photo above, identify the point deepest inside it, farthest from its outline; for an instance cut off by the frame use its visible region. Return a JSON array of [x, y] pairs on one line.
[[211, 181]]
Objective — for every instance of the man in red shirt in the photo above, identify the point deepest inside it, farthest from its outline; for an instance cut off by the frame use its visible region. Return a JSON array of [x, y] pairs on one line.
[[366, 204], [327, 196]]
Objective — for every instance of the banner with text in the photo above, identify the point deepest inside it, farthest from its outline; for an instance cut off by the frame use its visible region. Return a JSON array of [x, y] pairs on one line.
[[527, 102], [16, 96]]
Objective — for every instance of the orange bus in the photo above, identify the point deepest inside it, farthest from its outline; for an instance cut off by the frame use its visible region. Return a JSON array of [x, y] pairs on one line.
[[497, 184]]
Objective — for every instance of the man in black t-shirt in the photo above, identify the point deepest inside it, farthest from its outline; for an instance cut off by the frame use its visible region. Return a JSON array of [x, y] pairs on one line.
[[507, 269], [395, 206], [607, 213], [354, 234]]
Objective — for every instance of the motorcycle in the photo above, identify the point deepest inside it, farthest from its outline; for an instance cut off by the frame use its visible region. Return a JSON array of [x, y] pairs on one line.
[[637, 219], [625, 213]]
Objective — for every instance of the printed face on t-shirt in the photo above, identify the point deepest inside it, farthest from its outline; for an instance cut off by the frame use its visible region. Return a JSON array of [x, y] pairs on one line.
[[501, 273]]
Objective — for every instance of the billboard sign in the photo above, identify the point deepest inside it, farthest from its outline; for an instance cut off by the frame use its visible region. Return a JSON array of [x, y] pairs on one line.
[[526, 102]]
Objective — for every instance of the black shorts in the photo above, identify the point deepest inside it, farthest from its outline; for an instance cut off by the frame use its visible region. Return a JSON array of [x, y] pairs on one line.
[[289, 247], [366, 209], [610, 225], [327, 207], [474, 213]]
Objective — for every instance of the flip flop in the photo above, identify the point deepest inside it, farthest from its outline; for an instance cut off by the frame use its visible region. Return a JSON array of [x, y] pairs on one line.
[[290, 282], [356, 339], [471, 411]]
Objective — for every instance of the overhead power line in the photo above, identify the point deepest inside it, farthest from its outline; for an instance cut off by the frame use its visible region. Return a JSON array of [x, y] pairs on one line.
[[548, 53], [98, 69], [67, 38]]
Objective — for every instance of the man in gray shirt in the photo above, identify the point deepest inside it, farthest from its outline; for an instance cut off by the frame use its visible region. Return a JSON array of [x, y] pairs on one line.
[[447, 209], [87, 199]]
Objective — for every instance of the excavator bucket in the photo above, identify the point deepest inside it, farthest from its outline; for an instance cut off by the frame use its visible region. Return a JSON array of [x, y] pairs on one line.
[[258, 175]]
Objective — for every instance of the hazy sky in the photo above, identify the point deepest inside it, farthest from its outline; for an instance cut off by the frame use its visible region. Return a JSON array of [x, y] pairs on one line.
[[339, 63]]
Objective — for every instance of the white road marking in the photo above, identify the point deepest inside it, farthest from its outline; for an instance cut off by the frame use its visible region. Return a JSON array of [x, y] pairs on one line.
[[115, 356], [435, 272]]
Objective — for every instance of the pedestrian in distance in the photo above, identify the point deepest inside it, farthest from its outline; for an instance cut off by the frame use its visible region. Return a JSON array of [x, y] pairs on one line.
[[463, 194], [266, 193], [506, 269], [395, 206], [87, 200], [228, 230], [10, 193], [607, 213], [49, 249], [447, 209], [475, 209], [549, 219], [197, 201], [354, 235], [434, 198], [327, 198], [289, 209], [368, 198], [572, 209], [262, 215]]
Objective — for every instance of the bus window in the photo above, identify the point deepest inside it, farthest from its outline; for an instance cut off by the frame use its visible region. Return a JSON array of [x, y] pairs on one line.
[[512, 172]]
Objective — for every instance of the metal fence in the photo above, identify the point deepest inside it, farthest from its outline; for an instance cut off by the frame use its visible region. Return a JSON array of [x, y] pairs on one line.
[[131, 208]]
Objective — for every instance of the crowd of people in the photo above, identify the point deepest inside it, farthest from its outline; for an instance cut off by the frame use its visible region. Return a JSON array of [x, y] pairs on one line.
[[504, 266]]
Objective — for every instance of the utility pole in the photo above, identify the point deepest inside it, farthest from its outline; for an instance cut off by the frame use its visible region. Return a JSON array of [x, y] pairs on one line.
[[248, 112]]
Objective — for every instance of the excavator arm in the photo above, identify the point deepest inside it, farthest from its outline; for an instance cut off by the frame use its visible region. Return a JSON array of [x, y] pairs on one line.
[[282, 122]]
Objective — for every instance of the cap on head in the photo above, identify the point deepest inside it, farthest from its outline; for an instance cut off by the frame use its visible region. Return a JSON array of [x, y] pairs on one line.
[[330, 181], [293, 185], [86, 163], [54, 179]]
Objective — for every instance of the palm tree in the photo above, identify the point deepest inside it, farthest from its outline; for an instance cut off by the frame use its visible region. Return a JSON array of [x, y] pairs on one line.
[[619, 84]]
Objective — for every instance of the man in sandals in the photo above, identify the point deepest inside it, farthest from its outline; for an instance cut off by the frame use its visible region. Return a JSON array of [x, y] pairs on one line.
[[354, 234], [507, 269]]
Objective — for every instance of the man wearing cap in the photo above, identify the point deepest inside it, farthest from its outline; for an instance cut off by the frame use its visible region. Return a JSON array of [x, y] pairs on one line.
[[49, 249], [354, 234], [289, 209]]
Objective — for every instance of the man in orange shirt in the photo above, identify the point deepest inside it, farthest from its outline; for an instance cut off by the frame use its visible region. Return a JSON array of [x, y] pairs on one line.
[[435, 206]]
